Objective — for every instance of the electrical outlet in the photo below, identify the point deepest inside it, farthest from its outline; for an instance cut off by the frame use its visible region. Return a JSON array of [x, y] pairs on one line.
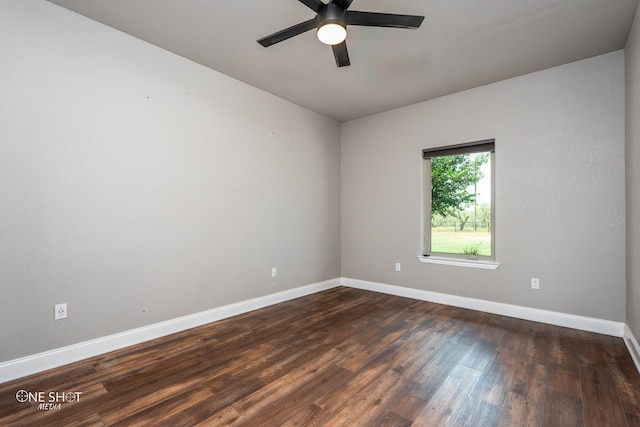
[[398, 266], [60, 311], [535, 283], [274, 272]]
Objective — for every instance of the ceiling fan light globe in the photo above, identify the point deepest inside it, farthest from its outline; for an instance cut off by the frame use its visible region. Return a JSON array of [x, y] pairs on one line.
[[332, 34]]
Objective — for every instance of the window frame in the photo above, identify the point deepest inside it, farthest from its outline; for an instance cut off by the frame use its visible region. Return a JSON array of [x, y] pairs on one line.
[[482, 146]]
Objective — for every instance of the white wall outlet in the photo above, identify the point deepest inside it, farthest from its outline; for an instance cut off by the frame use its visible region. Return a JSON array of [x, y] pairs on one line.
[[274, 272], [535, 283], [60, 311], [398, 266]]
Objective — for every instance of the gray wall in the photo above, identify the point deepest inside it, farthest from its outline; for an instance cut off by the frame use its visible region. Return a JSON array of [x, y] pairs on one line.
[[560, 196], [632, 62], [132, 179]]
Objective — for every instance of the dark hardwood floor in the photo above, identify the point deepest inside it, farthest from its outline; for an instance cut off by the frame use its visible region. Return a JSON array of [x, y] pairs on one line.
[[347, 357]]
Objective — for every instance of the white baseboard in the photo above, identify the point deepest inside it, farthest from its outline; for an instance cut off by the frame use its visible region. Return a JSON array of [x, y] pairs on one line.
[[589, 324], [632, 345], [24, 366]]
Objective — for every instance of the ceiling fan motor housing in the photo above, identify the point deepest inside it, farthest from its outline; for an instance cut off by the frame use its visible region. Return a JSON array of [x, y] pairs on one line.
[[331, 14]]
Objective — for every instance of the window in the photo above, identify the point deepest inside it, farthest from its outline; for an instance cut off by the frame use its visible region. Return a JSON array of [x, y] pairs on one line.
[[459, 204]]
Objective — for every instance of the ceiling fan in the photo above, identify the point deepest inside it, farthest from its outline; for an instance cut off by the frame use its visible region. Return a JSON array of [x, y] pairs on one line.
[[331, 21]]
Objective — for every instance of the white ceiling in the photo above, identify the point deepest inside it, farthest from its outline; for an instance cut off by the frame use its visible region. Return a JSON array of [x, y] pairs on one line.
[[461, 44]]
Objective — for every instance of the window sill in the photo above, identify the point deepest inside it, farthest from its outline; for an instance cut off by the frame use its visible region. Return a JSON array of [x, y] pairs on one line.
[[459, 262]]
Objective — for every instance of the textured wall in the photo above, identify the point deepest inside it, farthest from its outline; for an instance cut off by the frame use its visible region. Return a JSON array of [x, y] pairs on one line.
[[560, 198], [132, 179], [632, 62]]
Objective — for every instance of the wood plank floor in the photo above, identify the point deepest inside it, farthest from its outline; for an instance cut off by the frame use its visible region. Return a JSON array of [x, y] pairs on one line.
[[347, 357]]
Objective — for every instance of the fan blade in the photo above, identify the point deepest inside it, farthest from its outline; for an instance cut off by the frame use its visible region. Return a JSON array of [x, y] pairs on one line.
[[314, 5], [342, 3], [341, 54], [373, 19], [288, 33]]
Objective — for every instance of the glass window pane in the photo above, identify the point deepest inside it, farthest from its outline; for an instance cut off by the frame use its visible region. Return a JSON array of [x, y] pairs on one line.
[[461, 204]]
